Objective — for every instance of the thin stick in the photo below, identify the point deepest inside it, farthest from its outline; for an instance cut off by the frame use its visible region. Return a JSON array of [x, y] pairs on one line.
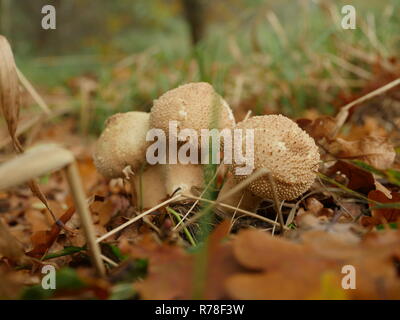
[[78, 194], [243, 184], [344, 111], [248, 213], [248, 114], [108, 260], [277, 27], [350, 67], [277, 202], [187, 233], [30, 123], [133, 220], [237, 188], [197, 201], [35, 95], [234, 213]]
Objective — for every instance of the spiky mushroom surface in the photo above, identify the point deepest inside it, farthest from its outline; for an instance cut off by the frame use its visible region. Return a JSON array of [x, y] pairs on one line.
[[194, 106], [287, 151], [122, 143]]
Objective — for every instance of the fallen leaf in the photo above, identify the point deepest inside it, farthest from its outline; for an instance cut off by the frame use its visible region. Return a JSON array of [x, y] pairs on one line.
[[10, 247], [357, 179], [380, 187], [171, 273], [321, 128], [43, 240], [312, 268], [374, 150], [385, 214]]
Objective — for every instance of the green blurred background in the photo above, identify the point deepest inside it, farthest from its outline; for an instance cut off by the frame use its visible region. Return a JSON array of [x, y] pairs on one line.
[[289, 56]]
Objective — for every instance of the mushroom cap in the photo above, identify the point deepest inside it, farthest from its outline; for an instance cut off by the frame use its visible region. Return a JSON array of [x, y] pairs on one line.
[[122, 143], [194, 106], [287, 151]]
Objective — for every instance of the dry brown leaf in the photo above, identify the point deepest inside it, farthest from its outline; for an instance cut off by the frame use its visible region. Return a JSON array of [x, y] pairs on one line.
[[355, 178], [171, 270], [10, 247], [283, 284], [302, 274], [374, 150], [321, 128], [370, 127], [37, 220], [43, 240], [258, 250], [288, 270]]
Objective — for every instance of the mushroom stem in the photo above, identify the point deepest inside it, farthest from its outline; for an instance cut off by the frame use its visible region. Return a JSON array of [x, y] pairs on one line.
[[181, 178], [148, 187], [242, 199]]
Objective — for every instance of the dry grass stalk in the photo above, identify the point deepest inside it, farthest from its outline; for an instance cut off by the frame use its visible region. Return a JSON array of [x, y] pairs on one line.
[[133, 220], [277, 26], [277, 201], [245, 212], [197, 201], [78, 194], [32, 91], [9, 90], [243, 184], [33, 121], [344, 111]]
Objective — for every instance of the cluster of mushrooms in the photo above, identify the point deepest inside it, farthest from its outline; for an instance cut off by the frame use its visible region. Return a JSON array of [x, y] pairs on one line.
[[281, 147]]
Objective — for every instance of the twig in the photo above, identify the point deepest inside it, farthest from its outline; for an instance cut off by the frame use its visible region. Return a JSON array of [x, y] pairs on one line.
[[243, 184], [187, 233], [344, 111], [133, 220], [197, 201], [277, 201], [248, 213], [35, 95], [86, 219], [108, 260], [31, 122]]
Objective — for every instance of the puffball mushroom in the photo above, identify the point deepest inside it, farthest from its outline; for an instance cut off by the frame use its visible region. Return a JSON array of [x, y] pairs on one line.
[[122, 143], [193, 106], [286, 151]]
